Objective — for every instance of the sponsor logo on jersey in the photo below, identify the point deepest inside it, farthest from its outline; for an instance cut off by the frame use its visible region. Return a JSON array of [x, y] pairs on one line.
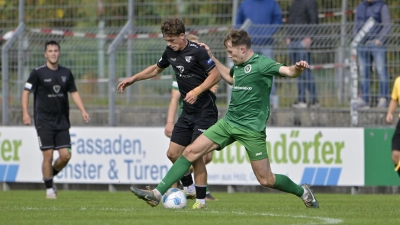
[[47, 80], [64, 78], [188, 58], [181, 69], [201, 130], [242, 88], [194, 45], [173, 59], [247, 68], [28, 85], [56, 88], [209, 61], [258, 153]]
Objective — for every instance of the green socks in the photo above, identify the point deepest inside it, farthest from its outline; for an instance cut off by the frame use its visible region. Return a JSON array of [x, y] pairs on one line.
[[175, 173], [285, 184]]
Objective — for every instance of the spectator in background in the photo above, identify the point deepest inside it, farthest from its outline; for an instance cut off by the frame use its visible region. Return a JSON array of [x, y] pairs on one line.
[[372, 47], [389, 119], [299, 39], [266, 16]]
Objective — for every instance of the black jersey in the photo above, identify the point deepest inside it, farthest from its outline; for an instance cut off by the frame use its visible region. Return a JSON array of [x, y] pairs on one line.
[[191, 67], [50, 89]]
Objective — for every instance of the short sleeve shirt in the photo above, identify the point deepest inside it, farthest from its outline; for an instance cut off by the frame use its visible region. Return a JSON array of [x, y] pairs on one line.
[[396, 90], [191, 67], [252, 81], [50, 89]]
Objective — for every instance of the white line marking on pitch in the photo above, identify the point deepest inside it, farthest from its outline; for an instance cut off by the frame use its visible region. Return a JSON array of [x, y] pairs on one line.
[[324, 220]]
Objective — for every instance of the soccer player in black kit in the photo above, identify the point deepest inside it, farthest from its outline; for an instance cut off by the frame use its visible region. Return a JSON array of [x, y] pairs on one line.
[[195, 73], [50, 84]]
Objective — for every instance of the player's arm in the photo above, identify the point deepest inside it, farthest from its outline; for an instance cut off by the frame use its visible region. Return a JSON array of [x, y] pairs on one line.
[[26, 118], [147, 73], [294, 70], [223, 70], [392, 107], [173, 106], [393, 102], [211, 80], [78, 102]]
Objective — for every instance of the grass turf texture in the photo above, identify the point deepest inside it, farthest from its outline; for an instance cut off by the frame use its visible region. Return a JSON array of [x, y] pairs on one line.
[[96, 207]]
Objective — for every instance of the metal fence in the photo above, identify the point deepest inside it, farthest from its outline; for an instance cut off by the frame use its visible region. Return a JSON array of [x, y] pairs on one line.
[[85, 40]]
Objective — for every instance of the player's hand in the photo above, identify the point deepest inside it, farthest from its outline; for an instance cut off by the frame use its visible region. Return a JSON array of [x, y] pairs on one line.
[[168, 129], [191, 97], [302, 65], [206, 48], [125, 83], [26, 119], [86, 117], [389, 118]]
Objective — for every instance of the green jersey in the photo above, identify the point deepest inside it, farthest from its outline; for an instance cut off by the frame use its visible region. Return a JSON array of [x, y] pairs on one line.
[[252, 80], [175, 87]]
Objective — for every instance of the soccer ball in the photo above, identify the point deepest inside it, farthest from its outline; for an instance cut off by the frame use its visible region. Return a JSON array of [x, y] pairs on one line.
[[174, 198]]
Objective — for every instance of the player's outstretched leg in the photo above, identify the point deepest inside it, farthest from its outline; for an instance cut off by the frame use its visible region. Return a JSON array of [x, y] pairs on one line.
[[176, 172], [309, 199]]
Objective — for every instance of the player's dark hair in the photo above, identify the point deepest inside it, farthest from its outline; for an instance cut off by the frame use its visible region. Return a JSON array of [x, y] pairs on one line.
[[172, 27], [52, 42], [238, 37]]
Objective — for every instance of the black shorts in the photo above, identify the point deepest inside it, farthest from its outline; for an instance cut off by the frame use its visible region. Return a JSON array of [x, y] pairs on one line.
[[396, 138], [190, 125], [53, 139]]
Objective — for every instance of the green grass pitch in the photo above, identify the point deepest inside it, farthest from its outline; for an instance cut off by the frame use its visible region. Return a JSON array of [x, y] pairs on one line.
[[100, 207]]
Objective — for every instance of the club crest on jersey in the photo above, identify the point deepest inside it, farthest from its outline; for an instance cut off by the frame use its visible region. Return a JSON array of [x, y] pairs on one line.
[[181, 69], [188, 58], [247, 68], [56, 88], [64, 78]]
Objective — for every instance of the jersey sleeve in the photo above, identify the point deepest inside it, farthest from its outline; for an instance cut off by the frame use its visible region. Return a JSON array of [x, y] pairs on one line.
[[163, 62], [205, 60], [175, 84], [269, 67], [71, 84], [32, 82]]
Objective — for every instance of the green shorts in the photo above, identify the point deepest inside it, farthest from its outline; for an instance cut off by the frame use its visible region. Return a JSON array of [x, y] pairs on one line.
[[224, 134]]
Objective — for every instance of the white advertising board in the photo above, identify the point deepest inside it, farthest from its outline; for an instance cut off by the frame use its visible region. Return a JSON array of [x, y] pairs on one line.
[[319, 156]]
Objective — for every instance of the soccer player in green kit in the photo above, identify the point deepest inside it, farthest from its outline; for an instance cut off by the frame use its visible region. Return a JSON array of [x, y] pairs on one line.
[[245, 122]]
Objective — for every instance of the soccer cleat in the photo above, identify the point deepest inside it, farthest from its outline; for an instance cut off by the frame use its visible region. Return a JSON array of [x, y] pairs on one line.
[[209, 197], [51, 196], [310, 201], [190, 195], [146, 195], [199, 205]]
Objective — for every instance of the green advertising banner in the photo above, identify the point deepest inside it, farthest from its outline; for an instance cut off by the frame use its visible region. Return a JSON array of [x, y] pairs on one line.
[[379, 168]]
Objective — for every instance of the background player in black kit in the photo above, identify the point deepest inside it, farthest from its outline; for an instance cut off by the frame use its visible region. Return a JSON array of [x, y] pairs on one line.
[[50, 84], [195, 73]]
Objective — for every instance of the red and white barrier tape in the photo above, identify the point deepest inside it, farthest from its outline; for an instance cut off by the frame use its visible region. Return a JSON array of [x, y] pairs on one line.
[[112, 36]]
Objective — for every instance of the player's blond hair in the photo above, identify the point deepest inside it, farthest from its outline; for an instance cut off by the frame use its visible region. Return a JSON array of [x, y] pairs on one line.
[[192, 37]]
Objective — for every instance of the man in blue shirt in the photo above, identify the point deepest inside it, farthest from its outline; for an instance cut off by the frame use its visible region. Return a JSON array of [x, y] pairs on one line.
[[266, 17], [372, 47]]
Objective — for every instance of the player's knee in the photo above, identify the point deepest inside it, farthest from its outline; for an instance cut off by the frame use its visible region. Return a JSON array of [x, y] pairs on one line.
[[65, 157], [173, 156]]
